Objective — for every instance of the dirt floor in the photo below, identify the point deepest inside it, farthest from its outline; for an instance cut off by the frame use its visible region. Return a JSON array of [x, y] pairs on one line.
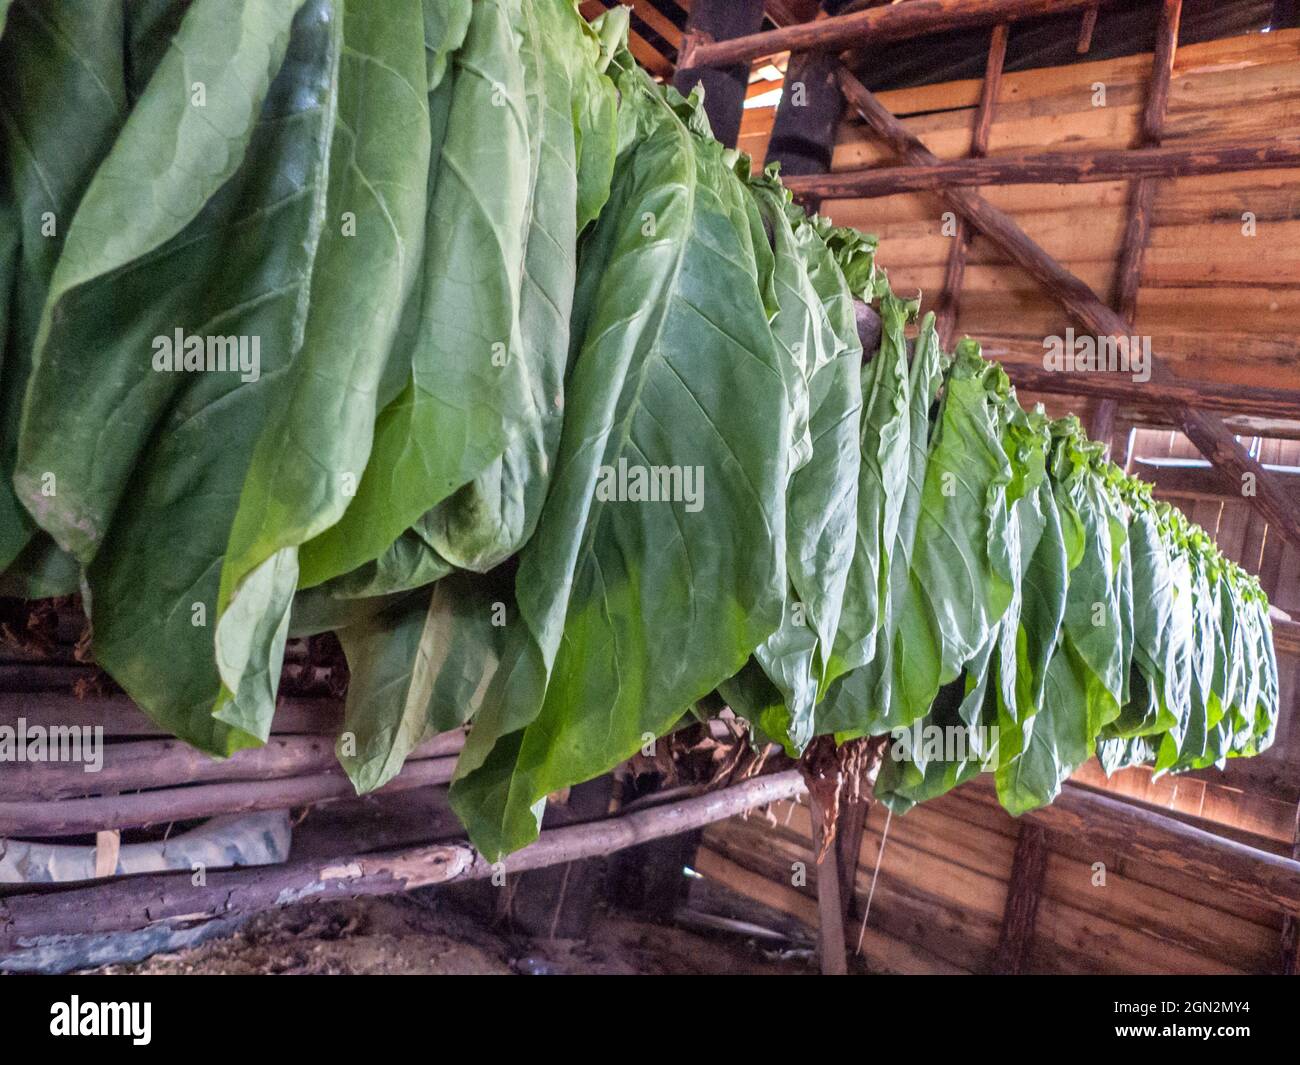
[[428, 933]]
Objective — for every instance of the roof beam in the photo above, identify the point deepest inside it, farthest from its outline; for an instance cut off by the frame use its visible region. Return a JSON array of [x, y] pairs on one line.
[[1057, 168], [915, 18]]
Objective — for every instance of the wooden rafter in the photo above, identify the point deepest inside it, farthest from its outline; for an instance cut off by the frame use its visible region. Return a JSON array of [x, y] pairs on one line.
[[1058, 168], [914, 18], [1137, 231], [1206, 431], [1024, 889]]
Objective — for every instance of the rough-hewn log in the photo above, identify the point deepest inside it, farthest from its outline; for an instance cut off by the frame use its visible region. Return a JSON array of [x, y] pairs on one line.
[[1206, 431], [724, 83], [1219, 396], [1088, 817], [119, 716], [831, 949], [73, 817], [1057, 168], [896, 22], [143, 764], [1024, 889], [139, 902]]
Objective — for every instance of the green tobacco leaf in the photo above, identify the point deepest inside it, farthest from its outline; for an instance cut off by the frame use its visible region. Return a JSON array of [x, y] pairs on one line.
[[150, 458], [678, 370], [417, 668], [465, 376], [315, 442], [864, 701], [62, 101]]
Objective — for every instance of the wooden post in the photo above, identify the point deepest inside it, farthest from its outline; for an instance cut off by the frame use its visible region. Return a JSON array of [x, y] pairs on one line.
[[955, 271], [1024, 889], [891, 22], [1207, 432], [831, 946], [808, 116], [1058, 168], [724, 84], [1291, 921], [1142, 195]]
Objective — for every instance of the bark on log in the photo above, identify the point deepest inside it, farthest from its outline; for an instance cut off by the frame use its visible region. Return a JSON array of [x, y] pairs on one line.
[[139, 902], [1024, 889], [142, 764], [73, 817], [119, 716], [1056, 168], [896, 22]]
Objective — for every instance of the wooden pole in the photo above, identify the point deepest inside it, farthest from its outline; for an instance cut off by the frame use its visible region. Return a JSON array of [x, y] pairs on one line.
[[1206, 431], [73, 817], [142, 764], [140, 902], [1057, 168], [895, 22], [831, 947], [1226, 398], [1024, 889], [955, 271]]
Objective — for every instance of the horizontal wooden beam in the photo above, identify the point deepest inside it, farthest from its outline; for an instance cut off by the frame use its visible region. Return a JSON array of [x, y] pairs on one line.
[[1055, 168], [142, 764], [1203, 480], [74, 817], [1212, 395], [119, 716], [133, 903], [896, 22]]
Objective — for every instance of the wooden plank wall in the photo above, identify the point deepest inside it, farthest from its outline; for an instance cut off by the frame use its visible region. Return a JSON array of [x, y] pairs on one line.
[[939, 897], [1219, 304]]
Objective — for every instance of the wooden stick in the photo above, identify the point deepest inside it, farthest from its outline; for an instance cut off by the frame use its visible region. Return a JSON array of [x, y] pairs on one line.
[[1086, 27], [830, 910], [1213, 395], [144, 764], [119, 716], [1056, 168], [140, 902], [896, 22], [1024, 889], [72, 817], [1206, 431]]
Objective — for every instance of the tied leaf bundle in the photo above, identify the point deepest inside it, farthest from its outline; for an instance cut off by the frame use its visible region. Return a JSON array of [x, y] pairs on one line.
[[439, 325]]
